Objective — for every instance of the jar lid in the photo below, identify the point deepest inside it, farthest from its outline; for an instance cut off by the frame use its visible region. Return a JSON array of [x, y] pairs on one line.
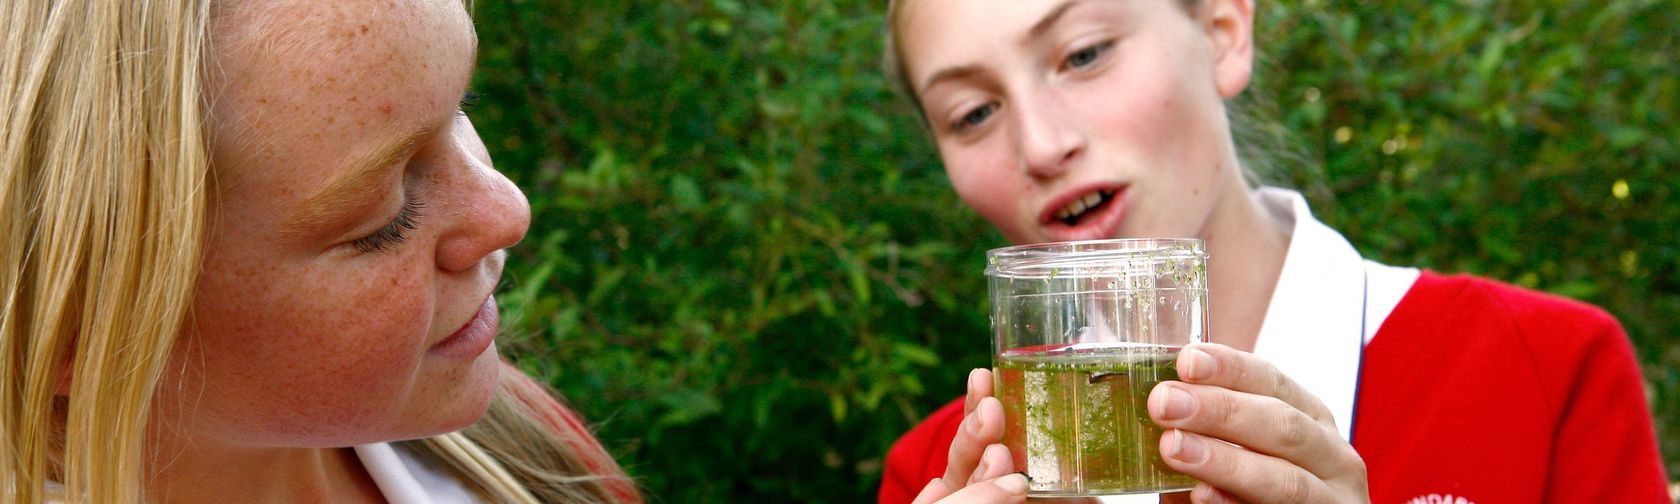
[[1093, 258]]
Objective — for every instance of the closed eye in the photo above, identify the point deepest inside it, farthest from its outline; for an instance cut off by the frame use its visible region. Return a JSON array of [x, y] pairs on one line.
[[392, 234], [468, 100]]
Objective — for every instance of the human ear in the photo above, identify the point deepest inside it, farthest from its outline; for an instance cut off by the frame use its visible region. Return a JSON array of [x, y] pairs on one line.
[[1230, 30]]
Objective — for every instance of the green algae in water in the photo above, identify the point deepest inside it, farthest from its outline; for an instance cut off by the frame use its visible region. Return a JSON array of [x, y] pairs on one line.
[[1077, 421]]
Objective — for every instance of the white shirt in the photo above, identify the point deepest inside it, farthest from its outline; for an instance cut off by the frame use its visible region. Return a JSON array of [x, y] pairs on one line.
[[404, 479], [1328, 304]]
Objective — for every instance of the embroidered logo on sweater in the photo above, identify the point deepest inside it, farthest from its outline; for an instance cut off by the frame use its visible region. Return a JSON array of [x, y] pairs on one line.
[[1439, 499]]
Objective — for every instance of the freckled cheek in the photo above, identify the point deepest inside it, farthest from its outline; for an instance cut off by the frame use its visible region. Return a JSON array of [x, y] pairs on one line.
[[274, 330], [381, 316]]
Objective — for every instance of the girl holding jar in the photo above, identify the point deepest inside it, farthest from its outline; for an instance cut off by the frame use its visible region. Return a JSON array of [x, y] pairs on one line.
[[1335, 378]]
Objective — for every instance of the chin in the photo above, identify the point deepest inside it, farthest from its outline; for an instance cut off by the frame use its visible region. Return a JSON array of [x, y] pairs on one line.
[[465, 403]]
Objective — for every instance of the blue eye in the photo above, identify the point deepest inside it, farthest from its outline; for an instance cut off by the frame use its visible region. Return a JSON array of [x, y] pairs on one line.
[[975, 117], [391, 235], [1088, 55]]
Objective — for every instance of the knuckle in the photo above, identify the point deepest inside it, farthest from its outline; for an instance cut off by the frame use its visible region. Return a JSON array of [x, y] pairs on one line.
[[1280, 382], [1223, 411], [1244, 373], [1298, 432], [1298, 487], [1270, 403]]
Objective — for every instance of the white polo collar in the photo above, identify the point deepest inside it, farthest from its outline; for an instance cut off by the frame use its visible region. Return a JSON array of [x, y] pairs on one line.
[[403, 479], [1328, 303]]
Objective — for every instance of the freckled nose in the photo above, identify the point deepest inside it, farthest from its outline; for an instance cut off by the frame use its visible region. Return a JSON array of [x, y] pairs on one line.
[[494, 215], [1046, 137]]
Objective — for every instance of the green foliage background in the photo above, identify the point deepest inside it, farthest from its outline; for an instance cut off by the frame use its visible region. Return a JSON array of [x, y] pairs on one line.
[[746, 263]]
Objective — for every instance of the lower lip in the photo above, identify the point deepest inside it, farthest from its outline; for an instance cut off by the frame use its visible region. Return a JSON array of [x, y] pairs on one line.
[[474, 338], [1102, 225]]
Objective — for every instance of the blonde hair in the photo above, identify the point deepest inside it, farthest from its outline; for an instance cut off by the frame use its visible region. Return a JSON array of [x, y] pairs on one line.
[[103, 201], [513, 454]]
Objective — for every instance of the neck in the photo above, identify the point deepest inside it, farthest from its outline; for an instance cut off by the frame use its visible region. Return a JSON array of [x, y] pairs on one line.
[[198, 473], [1246, 247]]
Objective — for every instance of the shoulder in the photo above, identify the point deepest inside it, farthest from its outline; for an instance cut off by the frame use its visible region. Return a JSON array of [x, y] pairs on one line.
[[1529, 316], [919, 455], [1476, 330], [1470, 374]]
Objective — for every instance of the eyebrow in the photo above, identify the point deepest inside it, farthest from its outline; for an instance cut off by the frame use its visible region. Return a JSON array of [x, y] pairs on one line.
[[948, 73], [1049, 20], [1044, 24], [329, 205]]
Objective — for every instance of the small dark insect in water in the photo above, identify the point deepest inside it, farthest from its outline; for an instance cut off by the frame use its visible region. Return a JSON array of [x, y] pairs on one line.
[[1106, 375]]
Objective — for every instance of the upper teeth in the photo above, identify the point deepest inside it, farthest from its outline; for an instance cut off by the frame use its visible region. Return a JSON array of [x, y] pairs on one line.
[[1079, 206]]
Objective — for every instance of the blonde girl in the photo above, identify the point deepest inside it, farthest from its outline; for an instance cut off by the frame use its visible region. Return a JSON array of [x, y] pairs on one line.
[[247, 250]]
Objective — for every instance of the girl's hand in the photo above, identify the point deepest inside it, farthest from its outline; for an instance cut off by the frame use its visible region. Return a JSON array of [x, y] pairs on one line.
[[978, 468], [1251, 434], [1009, 488]]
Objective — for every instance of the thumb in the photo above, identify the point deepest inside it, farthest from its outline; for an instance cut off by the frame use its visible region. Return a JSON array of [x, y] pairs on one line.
[[1010, 488]]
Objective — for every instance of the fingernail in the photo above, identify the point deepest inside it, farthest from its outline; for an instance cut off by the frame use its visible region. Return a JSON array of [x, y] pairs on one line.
[[973, 423], [1173, 404], [1179, 404], [1199, 365], [979, 472], [1014, 483], [1188, 448], [969, 396]]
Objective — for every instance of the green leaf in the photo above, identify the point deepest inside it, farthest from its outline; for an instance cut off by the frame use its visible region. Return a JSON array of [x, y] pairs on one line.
[[685, 193], [686, 406], [915, 354], [837, 406]]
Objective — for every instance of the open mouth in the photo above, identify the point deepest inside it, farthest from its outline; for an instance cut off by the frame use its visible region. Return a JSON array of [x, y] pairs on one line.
[[1071, 213]]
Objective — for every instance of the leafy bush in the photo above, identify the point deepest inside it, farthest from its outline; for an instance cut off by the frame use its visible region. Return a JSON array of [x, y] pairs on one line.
[[746, 263]]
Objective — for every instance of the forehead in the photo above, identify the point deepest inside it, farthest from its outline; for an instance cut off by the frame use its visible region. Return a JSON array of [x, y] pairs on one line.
[[934, 33], [302, 39], [293, 73]]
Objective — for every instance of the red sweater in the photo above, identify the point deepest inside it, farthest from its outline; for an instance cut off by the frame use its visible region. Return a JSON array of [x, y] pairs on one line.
[[1471, 390]]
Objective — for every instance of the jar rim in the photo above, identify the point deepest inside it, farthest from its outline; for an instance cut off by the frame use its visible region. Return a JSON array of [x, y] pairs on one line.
[[1088, 257]]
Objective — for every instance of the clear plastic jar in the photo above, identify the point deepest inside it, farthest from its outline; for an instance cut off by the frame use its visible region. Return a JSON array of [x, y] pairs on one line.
[[1082, 331]]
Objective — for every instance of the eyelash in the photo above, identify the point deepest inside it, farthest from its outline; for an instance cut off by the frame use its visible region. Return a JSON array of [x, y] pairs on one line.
[[1094, 50], [974, 117], [468, 100], [391, 235]]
